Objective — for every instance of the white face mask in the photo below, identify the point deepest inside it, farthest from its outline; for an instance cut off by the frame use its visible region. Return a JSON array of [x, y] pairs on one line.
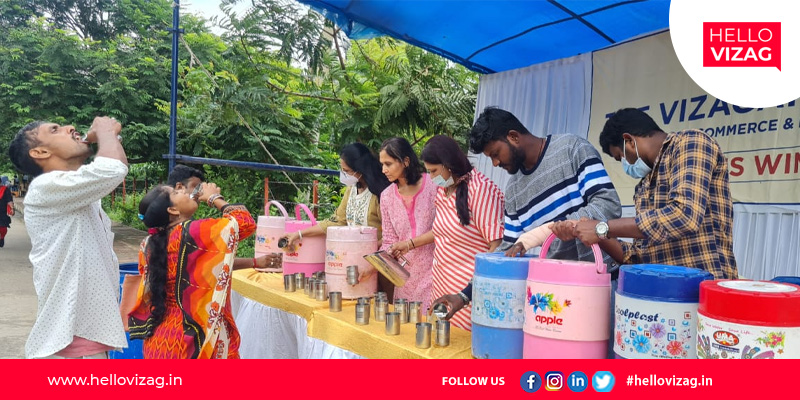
[[438, 180], [347, 180]]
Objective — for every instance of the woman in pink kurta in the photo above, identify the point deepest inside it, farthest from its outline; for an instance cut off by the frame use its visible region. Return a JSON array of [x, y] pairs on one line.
[[407, 213]]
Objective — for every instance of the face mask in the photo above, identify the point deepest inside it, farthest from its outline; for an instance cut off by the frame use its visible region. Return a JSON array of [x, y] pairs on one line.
[[639, 169], [438, 180], [347, 180]]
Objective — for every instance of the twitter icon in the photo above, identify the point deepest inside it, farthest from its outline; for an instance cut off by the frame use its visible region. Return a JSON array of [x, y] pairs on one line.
[[603, 381]]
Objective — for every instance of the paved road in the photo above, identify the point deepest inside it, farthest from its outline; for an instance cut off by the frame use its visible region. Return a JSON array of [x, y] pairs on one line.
[[18, 296]]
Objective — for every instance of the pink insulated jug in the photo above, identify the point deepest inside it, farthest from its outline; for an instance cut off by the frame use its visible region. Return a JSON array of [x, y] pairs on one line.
[[309, 254], [270, 229], [347, 246], [567, 312]]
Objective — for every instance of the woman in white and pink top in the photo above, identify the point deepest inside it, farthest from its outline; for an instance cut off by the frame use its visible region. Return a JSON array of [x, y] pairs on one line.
[[407, 213]]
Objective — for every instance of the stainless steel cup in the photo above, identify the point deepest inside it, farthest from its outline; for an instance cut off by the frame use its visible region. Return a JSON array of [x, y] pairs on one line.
[[423, 335], [322, 291], [364, 300], [381, 307], [381, 295], [289, 285], [440, 311], [401, 307], [362, 314], [335, 301], [307, 286], [352, 275], [442, 333], [312, 290], [392, 323], [300, 278], [415, 312]]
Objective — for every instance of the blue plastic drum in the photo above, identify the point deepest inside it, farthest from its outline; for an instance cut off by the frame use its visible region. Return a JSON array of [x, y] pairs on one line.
[[498, 306], [134, 350], [655, 313]]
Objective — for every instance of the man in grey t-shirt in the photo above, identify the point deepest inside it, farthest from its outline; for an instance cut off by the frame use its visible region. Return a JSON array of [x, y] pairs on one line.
[[559, 177]]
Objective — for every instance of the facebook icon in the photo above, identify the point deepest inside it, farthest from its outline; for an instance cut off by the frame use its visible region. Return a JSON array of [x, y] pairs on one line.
[[530, 382]]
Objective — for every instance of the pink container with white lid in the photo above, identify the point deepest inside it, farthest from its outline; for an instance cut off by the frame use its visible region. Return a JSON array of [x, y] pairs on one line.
[[270, 229], [568, 310], [347, 245], [309, 255]]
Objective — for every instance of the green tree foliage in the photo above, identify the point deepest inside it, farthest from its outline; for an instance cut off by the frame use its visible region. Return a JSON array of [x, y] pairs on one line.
[[281, 85]]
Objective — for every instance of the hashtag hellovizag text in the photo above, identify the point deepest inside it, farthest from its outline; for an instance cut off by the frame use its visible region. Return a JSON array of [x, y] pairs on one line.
[[655, 380]]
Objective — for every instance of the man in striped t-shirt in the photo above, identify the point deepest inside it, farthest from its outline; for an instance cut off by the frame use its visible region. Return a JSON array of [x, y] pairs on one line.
[[560, 177]]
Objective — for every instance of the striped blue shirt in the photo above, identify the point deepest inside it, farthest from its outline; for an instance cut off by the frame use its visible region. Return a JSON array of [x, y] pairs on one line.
[[569, 182]]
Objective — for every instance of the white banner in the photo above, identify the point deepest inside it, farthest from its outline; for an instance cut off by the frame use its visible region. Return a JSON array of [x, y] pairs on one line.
[[762, 145]]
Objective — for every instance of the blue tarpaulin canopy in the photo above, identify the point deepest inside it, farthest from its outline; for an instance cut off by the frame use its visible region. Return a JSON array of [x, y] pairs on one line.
[[498, 35]]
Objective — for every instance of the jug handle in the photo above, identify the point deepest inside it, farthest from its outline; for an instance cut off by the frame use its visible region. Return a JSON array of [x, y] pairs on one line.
[[280, 208], [308, 212], [598, 256]]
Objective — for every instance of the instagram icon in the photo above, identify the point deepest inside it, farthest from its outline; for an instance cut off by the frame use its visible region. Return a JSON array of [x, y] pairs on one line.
[[554, 381]]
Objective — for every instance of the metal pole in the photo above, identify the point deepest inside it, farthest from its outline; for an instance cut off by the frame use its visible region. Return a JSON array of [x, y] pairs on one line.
[[173, 106], [315, 190], [266, 196]]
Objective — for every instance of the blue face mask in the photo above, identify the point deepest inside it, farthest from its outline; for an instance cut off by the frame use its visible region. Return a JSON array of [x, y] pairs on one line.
[[639, 169], [438, 180]]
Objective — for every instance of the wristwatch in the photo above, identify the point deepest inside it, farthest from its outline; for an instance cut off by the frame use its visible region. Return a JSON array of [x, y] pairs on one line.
[[601, 229], [463, 297]]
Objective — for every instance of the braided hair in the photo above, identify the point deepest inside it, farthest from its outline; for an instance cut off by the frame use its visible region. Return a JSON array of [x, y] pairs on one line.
[[153, 209]]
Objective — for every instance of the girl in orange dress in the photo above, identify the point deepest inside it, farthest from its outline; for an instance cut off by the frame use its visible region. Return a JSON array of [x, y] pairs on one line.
[[182, 309]]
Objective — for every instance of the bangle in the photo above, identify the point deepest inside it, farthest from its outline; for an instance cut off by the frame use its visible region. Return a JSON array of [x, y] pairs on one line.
[[300, 233], [213, 198], [413, 246], [463, 297], [254, 263]]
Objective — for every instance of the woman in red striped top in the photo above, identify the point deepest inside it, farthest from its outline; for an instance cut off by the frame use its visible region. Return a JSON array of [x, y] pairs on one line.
[[469, 219]]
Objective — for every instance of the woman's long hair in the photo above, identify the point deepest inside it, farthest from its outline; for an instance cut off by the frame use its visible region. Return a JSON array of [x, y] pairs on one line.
[[154, 207], [445, 151], [360, 159], [399, 148]]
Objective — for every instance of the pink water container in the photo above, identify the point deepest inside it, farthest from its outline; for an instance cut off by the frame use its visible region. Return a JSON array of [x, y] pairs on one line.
[[309, 254], [270, 229], [568, 308], [347, 246]]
